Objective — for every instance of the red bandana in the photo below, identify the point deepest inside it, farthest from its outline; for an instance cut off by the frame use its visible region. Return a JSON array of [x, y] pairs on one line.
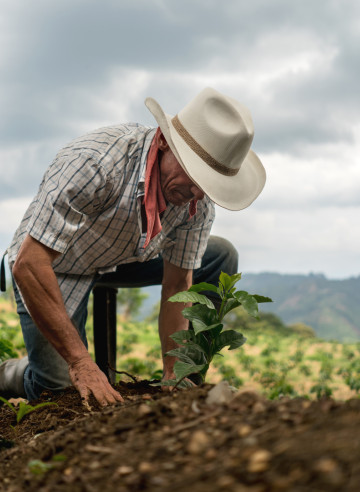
[[154, 200]]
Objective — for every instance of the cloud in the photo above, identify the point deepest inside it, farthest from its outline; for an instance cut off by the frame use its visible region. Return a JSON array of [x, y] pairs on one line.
[[297, 241], [72, 66], [329, 178], [11, 213], [283, 60]]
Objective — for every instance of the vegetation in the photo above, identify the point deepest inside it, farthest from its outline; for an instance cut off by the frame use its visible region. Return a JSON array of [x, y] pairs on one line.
[[277, 359], [24, 408], [206, 337], [11, 340], [129, 301]]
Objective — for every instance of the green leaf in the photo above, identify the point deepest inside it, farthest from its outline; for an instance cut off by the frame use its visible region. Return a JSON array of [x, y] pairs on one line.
[[23, 410], [198, 347], [59, 458], [4, 400], [182, 369], [202, 318], [248, 302], [200, 312], [191, 353], [199, 327], [192, 297], [259, 299], [203, 286], [187, 338], [228, 281], [181, 355], [202, 340], [183, 336], [231, 338], [229, 305], [38, 467], [235, 278], [225, 280]]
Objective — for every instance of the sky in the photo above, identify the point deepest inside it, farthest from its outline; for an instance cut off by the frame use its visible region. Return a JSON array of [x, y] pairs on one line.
[[68, 67]]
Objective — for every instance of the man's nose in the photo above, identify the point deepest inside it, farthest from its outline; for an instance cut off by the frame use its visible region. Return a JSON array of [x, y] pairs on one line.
[[198, 194]]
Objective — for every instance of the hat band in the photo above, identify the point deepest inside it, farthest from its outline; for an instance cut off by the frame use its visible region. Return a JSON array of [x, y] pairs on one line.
[[192, 143]]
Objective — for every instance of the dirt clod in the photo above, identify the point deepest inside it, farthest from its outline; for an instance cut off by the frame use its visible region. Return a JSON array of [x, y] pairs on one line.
[[199, 442]]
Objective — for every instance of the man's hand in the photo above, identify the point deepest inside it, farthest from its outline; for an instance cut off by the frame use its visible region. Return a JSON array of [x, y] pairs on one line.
[[89, 379]]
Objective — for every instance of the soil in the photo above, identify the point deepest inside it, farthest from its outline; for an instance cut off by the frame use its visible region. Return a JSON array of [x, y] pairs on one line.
[[171, 442]]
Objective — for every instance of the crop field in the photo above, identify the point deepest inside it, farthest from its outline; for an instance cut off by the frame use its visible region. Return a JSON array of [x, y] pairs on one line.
[[274, 363]]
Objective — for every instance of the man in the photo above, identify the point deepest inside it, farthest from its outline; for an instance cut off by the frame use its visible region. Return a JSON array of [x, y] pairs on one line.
[[134, 206]]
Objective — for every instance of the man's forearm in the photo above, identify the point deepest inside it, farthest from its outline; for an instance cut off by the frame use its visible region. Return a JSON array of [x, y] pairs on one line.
[[39, 287], [37, 281]]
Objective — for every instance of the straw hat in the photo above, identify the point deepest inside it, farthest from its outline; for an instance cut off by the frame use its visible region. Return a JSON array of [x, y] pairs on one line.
[[211, 139]]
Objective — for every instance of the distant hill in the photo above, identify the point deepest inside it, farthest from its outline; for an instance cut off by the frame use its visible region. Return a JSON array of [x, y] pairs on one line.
[[330, 307]]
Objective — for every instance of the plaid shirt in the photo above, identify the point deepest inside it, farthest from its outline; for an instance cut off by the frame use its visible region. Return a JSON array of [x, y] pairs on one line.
[[88, 208]]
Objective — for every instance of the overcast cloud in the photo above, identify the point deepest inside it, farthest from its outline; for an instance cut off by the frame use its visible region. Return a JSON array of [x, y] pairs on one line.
[[67, 67]]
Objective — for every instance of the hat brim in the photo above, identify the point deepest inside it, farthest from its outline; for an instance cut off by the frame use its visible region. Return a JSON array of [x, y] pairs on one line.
[[230, 192]]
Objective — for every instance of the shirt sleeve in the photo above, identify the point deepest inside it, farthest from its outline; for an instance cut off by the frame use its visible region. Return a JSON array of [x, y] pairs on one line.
[[71, 190], [191, 237]]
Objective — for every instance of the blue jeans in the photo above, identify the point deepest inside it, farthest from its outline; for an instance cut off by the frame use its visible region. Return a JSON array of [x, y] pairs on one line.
[[47, 370]]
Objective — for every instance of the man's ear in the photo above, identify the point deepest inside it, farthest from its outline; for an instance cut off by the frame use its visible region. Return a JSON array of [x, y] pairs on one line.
[[162, 143]]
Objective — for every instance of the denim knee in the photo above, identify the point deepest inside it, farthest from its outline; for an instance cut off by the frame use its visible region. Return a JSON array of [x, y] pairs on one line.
[[228, 256], [220, 256]]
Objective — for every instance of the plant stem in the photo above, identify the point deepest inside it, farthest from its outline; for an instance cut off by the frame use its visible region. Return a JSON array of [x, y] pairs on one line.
[[223, 300]]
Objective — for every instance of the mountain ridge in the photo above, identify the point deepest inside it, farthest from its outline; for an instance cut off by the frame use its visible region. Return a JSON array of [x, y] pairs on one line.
[[330, 307]]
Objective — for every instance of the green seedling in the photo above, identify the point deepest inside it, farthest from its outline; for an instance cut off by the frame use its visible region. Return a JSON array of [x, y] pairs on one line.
[[206, 338], [24, 408], [321, 390], [38, 467], [353, 381], [277, 383]]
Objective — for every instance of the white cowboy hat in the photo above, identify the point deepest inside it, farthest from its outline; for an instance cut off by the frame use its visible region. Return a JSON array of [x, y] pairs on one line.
[[211, 139]]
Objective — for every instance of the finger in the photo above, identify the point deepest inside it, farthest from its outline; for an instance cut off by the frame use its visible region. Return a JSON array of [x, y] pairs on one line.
[[110, 390], [117, 396], [106, 395], [112, 395], [84, 394], [83, 390], [100, 398]]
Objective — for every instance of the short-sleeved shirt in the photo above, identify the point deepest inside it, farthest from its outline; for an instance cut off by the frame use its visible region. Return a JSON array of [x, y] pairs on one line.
[[88, 208]]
